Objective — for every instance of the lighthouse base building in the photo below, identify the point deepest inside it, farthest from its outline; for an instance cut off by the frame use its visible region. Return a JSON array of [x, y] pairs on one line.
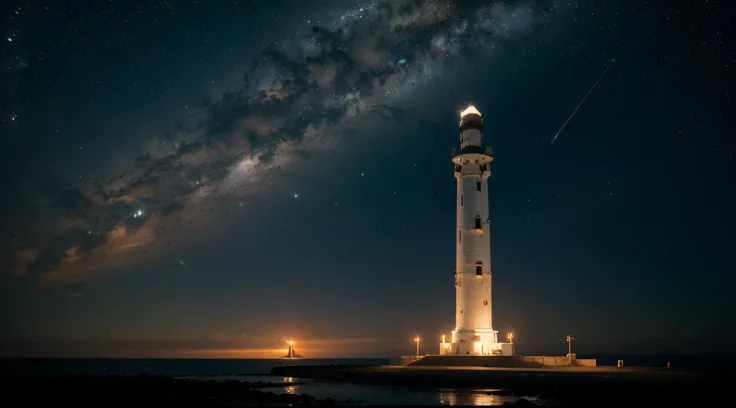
[[474, 334]]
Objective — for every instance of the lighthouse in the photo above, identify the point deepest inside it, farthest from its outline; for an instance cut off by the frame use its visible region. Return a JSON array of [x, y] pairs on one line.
[[473, 334]]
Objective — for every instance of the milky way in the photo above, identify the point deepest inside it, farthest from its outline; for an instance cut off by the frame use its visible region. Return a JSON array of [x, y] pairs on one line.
[[295, 100]]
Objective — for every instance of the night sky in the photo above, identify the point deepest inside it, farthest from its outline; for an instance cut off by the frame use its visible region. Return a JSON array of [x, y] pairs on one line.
[[212, 178]]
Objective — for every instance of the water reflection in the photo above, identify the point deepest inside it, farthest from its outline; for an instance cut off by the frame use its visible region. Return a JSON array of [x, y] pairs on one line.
[[290, 389], [477, 398]]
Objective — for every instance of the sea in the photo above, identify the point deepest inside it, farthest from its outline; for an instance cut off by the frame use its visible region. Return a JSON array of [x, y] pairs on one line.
[[254, 370]]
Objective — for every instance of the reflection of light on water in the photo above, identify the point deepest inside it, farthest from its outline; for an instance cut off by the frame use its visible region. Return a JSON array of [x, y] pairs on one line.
[[290, 389], [477, 398]]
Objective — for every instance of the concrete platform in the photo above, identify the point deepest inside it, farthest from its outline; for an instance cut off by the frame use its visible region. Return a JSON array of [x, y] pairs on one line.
[[496, 361], [471, 361]]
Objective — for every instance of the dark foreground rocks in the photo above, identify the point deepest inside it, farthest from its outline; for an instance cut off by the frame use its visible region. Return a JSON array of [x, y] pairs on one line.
[[142, 391]]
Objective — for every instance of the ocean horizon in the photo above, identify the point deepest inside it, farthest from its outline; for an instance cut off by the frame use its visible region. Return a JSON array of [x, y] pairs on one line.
[[171, 367]]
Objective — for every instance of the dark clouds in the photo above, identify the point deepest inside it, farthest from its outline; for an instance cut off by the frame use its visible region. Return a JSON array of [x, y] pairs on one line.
[[296, 95]]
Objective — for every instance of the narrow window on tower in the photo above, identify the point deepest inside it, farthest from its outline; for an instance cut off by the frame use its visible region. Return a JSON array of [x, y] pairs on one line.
[[477, 185], [477, 223], [459, 236], [461, 200], [479, 268]]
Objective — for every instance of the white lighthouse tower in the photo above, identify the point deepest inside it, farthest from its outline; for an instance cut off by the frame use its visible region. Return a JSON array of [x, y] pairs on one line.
[[473, 334]]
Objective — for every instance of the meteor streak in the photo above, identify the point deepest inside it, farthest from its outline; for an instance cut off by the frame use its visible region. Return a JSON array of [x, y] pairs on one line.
[[581, 102]]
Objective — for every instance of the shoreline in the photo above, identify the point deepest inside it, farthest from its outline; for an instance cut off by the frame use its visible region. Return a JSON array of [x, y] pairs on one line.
[[149, 390], [153, 391], [570, 386], [558, 386]]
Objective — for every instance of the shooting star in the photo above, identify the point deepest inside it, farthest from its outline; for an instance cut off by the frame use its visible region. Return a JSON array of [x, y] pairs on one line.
[[581, 102], [183, 264]]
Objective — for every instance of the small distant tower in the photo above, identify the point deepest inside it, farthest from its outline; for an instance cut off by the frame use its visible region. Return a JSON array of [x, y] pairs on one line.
[[473, 334]]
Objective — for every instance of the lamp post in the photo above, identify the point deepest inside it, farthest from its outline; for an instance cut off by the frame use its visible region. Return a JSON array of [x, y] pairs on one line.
[[511, 337], [416, 339], [569, 344]]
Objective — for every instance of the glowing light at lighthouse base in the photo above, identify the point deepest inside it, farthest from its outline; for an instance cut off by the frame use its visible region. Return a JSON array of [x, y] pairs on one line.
[[481, 343]]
